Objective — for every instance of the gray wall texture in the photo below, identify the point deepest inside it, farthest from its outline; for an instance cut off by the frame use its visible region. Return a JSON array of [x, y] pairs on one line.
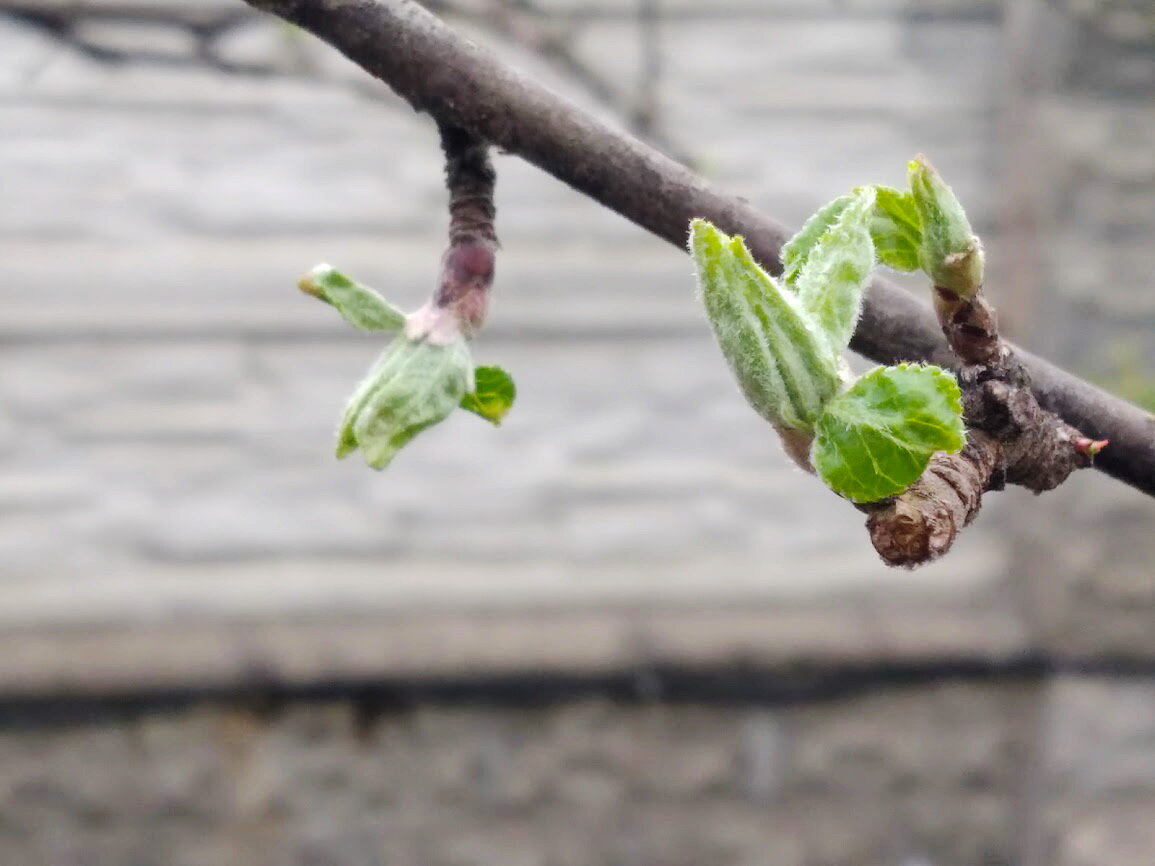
[[172, 521]]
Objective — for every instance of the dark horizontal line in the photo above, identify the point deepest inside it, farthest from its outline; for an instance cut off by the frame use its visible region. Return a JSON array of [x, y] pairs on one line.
[[732, 685]]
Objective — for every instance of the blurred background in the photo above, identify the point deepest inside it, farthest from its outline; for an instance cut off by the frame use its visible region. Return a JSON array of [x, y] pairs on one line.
[[621, 630]]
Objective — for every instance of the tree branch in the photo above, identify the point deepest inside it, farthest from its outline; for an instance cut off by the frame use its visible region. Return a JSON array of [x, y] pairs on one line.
[[1010, 439], [440, 72]]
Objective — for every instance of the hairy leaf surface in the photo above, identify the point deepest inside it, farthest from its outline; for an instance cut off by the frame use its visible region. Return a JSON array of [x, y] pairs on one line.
[[832, 281], [360, 306], [951, 255], [896, 229], [875, 439], [796, 251], [414, 385], [776, 351]]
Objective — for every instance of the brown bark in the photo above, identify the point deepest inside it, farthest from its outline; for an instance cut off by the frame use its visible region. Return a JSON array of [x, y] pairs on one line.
[[1010, 439], [467, 267], [922, 523]]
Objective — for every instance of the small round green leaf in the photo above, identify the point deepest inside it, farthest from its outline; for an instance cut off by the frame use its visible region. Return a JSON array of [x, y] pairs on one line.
[[875, 439], [492, 396]]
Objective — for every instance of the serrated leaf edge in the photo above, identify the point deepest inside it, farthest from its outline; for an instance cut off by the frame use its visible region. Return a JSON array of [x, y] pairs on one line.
[[953, 396]]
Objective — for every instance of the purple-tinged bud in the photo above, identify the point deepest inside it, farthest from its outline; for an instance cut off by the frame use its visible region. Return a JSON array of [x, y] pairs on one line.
[[466, 277]]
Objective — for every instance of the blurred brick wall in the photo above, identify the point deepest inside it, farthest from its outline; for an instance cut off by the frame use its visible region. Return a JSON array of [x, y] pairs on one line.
[[951, 773]]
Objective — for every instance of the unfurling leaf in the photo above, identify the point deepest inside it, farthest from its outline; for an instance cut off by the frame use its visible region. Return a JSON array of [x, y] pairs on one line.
[[796, 251], [424, 374], [492, 396], [361, 306], [832, 279], [875, 439], [951, 254], [896, 229], [413, 385], [779, 355]]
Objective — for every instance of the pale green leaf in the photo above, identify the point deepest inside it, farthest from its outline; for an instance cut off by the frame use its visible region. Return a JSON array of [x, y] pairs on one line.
[[835, 274], [361, 306], [875, 439], [492, 396], [896, 229], [796, 251], [413, 386], [373, 380], [777, 353], [951, 254]]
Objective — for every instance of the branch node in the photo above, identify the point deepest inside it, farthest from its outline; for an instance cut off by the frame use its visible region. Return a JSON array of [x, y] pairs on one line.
[[1011, 439]]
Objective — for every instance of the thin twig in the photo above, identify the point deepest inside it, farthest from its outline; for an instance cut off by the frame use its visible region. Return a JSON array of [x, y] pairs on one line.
[[468, 264]]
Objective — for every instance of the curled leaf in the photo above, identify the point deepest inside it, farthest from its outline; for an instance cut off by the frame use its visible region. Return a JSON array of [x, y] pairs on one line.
[[896, 229], [796, 251], [360, 306], [875, 439], [837, 269], [778, 354], [413, 385]]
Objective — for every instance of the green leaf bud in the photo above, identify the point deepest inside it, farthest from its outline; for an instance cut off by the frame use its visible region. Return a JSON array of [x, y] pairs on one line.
[[414, 385], [778, 353], [796, 251], [951, 253]]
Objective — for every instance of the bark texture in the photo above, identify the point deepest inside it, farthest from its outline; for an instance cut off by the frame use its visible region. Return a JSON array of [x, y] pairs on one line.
[[1011, 438], [467, 267]]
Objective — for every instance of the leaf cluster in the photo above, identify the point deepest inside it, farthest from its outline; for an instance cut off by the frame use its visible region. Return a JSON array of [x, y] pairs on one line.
[[416, 383], [784, 338]]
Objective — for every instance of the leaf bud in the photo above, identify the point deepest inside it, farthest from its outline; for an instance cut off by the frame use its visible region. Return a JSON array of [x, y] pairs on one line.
[[951, 253], [414, 385]]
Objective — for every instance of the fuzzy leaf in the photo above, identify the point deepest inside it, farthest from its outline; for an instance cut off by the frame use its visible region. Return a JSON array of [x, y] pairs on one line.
[[414, 385], [797, 250], [492, 396], [346, 439], [951, 254], [361, 306], [833, 278], [778, 354], [876, 438], [896, 229]]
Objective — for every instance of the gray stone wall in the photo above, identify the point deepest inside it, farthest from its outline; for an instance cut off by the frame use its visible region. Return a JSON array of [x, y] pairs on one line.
[[953, 773]]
